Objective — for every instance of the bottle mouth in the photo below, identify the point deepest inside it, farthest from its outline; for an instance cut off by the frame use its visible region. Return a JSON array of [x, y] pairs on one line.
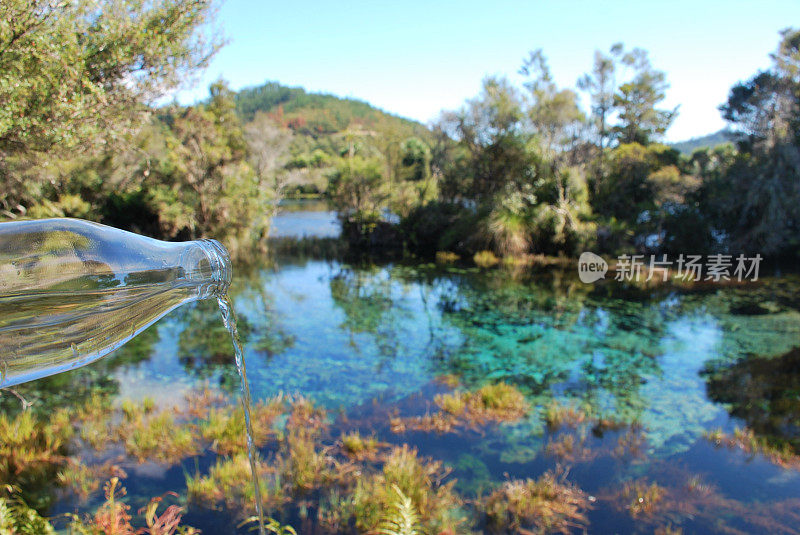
[[220, 263]]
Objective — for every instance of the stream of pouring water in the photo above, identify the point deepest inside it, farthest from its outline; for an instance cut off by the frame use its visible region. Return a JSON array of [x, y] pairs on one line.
[[229, 318]]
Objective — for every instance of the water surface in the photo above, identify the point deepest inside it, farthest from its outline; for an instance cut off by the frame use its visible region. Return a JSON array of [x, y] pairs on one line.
[[370, 342], [304, 218]]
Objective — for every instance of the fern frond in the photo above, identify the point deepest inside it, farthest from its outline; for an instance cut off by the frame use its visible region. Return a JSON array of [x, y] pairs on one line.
[[17, 518], [402, 518]]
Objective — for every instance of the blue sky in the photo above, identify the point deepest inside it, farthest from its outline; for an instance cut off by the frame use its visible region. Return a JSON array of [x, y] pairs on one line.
[[415, 58]]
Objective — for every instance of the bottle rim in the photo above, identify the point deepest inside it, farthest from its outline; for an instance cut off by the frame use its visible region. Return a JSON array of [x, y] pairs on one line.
[[220, 261]]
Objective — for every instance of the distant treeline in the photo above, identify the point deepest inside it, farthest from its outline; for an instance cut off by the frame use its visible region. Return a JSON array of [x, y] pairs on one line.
[[524, 170], [519, 169]]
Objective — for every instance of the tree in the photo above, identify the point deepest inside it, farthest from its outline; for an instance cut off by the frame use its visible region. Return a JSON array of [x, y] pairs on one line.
[[202, 184], [357, 191], [72, 70], [493, 153], [641, 179], [601, 85], [415, 161], [756, 202], [268, 145], [79, 75], [559, 199], [553, 113], [636, 100]]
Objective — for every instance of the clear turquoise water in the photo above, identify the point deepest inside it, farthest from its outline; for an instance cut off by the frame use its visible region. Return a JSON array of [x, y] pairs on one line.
[[347, 336], [371, 341]]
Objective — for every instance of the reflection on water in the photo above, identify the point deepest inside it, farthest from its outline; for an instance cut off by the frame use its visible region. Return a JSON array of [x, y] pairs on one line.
[[304, 218], [762, 392], [371, 342]]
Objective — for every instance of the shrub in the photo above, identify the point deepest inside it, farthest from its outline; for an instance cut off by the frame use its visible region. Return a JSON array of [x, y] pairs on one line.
[[485, 259], [446, 257]]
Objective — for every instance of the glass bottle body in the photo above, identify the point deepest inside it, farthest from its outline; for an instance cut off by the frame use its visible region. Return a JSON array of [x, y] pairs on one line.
[[72, 291]]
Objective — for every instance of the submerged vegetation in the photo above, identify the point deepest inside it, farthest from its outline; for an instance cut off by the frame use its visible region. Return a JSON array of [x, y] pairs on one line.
[[483, 444], [111, 518], [491, 403], [642, 498], [545, 505]]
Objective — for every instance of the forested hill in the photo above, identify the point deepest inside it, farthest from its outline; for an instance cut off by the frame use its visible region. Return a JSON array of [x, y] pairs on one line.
[[702, 142], [317, 113], [307, 134]]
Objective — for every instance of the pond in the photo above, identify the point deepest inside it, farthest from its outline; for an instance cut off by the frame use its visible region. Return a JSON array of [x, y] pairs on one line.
[[641, 398], [300, 218]]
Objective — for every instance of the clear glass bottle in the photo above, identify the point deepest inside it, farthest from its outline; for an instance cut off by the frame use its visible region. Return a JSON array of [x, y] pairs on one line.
[[72, 291]]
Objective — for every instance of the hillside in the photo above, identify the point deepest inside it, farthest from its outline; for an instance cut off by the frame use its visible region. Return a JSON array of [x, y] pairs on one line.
[[318, 113], [323, 127], [707, 141]]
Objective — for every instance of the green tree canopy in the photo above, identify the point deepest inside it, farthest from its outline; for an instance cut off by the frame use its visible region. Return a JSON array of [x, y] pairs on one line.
[[601, 84], [636, 101], [73, 70], [357, 189], [755, 203]]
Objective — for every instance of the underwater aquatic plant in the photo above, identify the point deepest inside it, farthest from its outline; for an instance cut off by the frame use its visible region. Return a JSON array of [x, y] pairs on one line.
[[632, 444], [499, 402], [83, 479], [358, 447], [558, 414], [93, 419], [304, 465], [113, 517], [224, 426], [305, 414], [200, 400], [29, 444], [568, 447], [544, 505], [419, 480], [454, 403], [230, 482], [156, 436], [640, 498]]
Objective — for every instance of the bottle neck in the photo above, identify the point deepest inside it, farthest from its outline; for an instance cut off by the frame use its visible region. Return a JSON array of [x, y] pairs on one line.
[[216, 270]]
